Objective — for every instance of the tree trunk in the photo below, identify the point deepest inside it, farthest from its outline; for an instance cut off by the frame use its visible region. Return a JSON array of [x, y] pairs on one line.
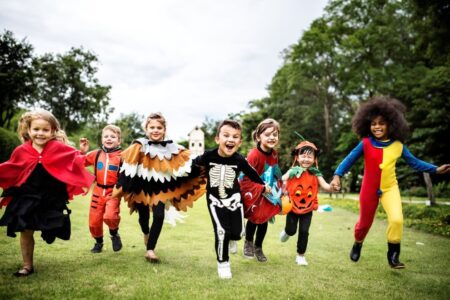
[[429, 185], [326, 117]]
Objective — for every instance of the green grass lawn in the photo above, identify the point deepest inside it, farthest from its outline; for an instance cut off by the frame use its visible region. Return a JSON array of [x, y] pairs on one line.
[[189, 270]]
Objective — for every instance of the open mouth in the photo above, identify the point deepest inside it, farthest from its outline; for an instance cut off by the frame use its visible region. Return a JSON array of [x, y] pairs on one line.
[[229, 147]]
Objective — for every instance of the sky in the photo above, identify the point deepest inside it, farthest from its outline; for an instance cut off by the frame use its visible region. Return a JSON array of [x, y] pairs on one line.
[[186, 59]]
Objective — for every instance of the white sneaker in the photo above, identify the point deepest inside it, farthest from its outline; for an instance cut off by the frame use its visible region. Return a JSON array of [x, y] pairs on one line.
[[284, 236], [301, 260], [232, 247], [224, 270]]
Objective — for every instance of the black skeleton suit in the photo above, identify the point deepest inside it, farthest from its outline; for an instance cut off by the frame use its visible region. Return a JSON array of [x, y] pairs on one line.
[[224, 197]]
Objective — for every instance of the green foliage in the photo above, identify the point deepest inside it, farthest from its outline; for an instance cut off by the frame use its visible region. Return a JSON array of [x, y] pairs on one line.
[[67, 87], [209, 127], [8, 142], [16, 75], [431, 219], [442, 189], [64, 84], [92, 131], [358, 49], [131, 127]]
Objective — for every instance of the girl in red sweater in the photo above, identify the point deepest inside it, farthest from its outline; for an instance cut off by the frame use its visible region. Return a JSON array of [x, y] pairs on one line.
[[259, 208]]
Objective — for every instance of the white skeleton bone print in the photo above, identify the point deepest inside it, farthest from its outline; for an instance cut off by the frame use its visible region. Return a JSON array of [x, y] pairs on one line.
[[222, 176]]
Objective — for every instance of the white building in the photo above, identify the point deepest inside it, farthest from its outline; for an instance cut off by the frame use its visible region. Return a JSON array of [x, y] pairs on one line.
[[196, 141]]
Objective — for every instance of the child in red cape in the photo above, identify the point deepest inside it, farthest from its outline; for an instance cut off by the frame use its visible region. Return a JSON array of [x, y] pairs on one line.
[[38, 180]]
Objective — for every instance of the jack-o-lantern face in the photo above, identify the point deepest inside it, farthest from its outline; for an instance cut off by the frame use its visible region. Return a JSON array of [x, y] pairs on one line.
[[302, 192]]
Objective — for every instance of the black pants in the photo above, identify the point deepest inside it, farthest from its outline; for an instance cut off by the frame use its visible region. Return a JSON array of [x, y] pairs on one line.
[[260, 229], [228, 225], [304, 221], [157, 224]]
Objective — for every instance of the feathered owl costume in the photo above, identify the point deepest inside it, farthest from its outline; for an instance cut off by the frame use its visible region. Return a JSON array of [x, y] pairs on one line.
[[158, 171]]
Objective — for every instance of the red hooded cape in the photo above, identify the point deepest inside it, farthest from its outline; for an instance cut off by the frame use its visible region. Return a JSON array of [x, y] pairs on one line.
[[61, 161]]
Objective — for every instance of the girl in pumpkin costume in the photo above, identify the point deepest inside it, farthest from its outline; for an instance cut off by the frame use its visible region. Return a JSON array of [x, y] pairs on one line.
[[154, 172], [382, 125], [302, 184]]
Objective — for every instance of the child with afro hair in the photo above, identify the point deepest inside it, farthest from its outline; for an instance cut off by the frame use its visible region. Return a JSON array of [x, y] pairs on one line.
[[381, 124]]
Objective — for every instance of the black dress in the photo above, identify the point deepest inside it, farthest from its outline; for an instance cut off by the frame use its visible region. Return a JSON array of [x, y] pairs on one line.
[[38, 204]]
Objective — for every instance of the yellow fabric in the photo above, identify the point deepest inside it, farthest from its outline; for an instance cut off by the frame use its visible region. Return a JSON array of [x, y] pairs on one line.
[[392, 205], [391, 154]]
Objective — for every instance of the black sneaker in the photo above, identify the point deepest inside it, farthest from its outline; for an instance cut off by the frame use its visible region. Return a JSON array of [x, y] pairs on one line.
[[249, 250], [393, 256], [97, 248], [116, 242], [355, 253], [260, 254]]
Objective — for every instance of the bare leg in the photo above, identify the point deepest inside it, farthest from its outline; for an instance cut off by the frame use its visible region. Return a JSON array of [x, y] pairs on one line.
[[27, 248]]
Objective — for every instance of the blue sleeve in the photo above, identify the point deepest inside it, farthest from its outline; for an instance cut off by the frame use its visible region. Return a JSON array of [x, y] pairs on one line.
[[350, 160], [416, 163]]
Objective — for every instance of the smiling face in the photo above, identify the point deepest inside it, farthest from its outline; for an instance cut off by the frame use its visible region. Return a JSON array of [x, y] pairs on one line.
[[268, 139], [155, 130], [306, 159], [379, 128], [229, 140], [110, 139], [40, 133]]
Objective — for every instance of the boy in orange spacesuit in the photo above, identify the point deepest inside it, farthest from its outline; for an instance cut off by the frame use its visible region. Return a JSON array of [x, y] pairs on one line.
[[104, 208]]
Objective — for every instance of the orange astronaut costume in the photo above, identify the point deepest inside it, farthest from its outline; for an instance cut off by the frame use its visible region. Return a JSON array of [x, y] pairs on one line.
[[104, 208]]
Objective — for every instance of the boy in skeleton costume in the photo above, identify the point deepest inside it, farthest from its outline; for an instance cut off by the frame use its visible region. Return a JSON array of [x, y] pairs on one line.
[[223, 166]]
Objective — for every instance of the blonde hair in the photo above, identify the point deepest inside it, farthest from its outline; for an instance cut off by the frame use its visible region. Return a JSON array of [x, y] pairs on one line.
[[262, 126], [61, 136], [26, 119], [114, 129]]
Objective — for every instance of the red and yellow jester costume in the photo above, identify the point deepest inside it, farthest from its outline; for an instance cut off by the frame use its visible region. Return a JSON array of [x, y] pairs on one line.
[[104, 207], [380, 183]]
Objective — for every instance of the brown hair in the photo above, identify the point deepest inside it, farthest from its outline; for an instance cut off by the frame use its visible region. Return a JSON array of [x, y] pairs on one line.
[[154, 116], [26, 119], [262, 126], [114, 129], [232, 123]]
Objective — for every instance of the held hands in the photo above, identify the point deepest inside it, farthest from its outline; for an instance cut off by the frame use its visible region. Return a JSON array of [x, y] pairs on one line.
[[267, 190], [84, 145], [335, 183], [444, 169]]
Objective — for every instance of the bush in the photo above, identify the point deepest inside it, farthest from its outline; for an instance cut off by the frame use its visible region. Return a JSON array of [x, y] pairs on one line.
[[416, 191], [8, 142], [432, 219], [442, 189]]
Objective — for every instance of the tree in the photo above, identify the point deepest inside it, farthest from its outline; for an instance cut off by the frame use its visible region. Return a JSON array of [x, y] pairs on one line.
[[16, 75], [131, 127], [209, 127], [67, 86]]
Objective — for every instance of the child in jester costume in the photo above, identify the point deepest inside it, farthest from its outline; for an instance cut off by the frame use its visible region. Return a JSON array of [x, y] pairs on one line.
[[381, 124]]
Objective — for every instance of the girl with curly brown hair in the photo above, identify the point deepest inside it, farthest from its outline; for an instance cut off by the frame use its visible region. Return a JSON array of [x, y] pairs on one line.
[[381, 124]]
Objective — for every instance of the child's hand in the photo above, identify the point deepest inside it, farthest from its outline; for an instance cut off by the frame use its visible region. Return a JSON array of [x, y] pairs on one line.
[[84, 145], [335, 183], [267, 190], [444, 169]]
